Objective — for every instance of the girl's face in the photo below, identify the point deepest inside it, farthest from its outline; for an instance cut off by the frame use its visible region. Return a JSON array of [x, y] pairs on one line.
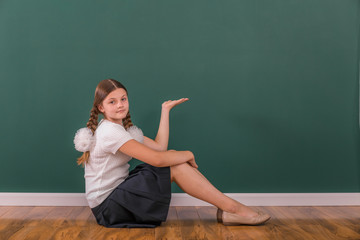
[[115, 106]]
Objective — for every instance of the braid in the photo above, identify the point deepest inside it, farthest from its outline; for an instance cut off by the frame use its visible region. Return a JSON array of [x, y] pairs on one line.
[[92, 125], [93, 120], [127, 121]]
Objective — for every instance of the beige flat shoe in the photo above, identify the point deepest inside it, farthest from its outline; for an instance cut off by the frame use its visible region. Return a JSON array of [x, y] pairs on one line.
[[231, 219]]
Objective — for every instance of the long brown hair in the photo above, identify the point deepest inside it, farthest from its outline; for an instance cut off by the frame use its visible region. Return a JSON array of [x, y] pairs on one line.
[[102, 90]]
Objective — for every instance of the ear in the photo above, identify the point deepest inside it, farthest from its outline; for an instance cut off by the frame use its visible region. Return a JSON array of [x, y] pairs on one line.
[[101, 108]]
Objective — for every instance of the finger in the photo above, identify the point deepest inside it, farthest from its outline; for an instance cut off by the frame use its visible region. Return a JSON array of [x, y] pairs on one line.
[[193, 163], [182, 100], [179, 100]]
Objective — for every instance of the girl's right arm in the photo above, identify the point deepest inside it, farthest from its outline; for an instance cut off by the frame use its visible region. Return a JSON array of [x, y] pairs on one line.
[[155, 158]]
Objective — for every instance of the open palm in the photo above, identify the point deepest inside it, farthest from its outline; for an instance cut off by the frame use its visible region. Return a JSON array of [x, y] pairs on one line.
[[168, 105]]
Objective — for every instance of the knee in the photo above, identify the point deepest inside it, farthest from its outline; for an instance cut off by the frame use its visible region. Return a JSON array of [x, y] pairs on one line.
[[179, 167], [176, 170]]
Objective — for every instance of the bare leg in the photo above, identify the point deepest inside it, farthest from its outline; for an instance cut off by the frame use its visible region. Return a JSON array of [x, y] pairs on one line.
[[191, 181]]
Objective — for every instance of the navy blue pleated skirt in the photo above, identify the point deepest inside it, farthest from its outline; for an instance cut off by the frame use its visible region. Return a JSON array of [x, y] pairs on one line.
[[141, 201]]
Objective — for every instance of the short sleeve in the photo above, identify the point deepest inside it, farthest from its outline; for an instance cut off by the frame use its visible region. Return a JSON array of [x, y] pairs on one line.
[[112, 137]]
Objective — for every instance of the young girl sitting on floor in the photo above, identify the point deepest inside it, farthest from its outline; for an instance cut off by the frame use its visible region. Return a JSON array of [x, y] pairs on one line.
[[141, 198]]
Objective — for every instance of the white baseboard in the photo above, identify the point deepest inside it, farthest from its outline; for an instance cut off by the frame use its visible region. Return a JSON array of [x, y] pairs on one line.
[[183, 199]]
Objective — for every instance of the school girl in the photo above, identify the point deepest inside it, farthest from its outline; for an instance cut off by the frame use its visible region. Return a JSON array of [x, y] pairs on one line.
[[140, 198]]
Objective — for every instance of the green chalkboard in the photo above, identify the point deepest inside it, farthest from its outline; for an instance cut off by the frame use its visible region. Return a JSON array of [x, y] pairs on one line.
[[273, 87]]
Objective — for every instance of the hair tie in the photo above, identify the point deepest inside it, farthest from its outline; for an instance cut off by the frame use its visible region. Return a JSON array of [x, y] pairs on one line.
[[136, 133], [84, 140]]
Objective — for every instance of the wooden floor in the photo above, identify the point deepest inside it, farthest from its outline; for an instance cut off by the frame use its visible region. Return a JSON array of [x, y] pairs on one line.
[[288, 223]]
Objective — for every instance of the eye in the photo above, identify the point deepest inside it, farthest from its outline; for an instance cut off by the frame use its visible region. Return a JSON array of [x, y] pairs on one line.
[[112, 102], [124, 99]]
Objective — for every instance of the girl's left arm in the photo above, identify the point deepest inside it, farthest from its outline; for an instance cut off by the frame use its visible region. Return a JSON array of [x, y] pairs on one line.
[[162, 138]]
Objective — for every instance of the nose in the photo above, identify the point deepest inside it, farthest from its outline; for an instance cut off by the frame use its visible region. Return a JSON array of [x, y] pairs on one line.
[[120, 104]]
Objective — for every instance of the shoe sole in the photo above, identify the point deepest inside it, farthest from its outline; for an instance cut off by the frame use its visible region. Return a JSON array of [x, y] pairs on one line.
[[246, 224], [219, 215]]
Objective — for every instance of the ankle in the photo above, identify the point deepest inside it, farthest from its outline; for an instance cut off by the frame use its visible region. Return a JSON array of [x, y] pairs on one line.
[[246, 211], [231, 209]]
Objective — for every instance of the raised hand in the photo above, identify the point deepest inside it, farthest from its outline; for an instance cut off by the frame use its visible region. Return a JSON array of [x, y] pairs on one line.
[[168, 105]]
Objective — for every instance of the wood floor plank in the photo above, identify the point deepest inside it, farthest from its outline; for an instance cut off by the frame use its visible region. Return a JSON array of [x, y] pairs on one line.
[[40, 232], [308, 223], [45, 223], [96, 231], [100, 232], [91, 230], [16, 212], [36, 215], [4, 209], [53, 225], [57, 216], [64, 225], [79, 215], [191, 226], [348, 215], [217, 230], [12, 221], [312, 222], [169, 230], [142, 234], [87, 228], [83, 219], [30, 221], [75, 225], [341, 227], [33, 224], [286, 224]]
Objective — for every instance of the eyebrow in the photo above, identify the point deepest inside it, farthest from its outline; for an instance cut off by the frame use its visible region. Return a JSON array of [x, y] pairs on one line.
[[115, 98]]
